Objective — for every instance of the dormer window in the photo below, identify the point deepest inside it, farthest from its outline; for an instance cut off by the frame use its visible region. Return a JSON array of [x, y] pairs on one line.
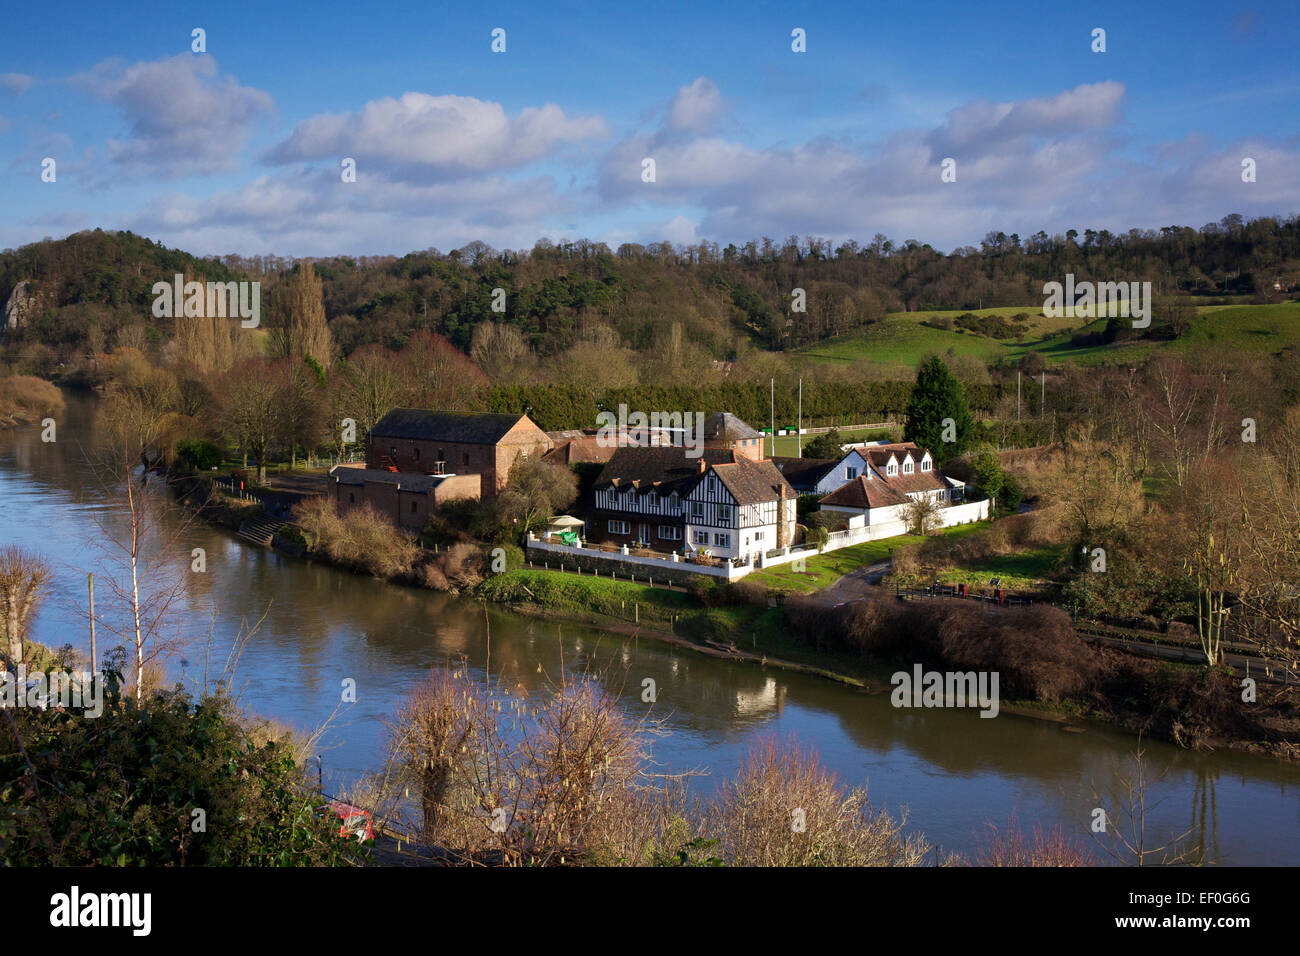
[[891, 469], [907, 467], [925, 464]]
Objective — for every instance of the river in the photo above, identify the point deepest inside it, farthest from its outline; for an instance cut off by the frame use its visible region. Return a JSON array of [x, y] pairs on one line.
[[953, 772]]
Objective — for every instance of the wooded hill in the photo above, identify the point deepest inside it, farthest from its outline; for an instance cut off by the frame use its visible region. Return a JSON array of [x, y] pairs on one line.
[[720, 301]]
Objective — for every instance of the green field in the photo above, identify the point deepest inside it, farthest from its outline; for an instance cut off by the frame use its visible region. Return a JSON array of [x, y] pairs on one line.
[[787, 445], [901, 342], [1024, 570]]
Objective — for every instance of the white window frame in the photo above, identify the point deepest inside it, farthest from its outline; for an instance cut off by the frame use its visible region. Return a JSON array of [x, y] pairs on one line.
[[670, 532], [619, 526], [722, 539]]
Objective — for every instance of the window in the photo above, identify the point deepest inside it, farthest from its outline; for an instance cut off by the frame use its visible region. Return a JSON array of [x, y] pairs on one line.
[[713, 484], [697, 510], [415, 450], [464, 459], [415, 507], [670, 532], [619, 527], [722, 540], [850, 473], [907, 467], [758, 536], [392, 451], [925, 464], [724, 515], [892, 469], [701, 538]]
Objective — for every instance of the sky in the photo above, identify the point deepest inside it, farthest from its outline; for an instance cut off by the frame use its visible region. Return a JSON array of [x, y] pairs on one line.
[[241, 148]]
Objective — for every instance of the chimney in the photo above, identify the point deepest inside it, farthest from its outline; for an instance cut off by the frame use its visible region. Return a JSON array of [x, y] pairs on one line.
[[704, 465]]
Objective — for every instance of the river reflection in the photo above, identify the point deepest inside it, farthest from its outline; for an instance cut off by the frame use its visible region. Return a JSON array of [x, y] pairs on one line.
[[953, 771]]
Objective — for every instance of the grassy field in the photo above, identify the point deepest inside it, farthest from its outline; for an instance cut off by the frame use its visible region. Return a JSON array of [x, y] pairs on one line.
[[787, 445], [825, 569], [1025, 570], [900, 341]]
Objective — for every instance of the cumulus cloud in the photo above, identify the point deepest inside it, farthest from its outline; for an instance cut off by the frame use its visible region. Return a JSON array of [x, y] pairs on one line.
[[15, 84], [983, 126], [440, 136], [311, 212], [186, 117], [696, 108], [1042, 163]]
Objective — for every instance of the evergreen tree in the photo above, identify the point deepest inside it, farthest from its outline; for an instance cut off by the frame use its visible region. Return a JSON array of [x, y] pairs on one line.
[[937, 396]]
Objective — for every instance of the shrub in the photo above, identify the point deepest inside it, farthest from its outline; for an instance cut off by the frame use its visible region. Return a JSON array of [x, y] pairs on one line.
[[120, 790], [198, 454], [360, 539], [25, 398], [784, 808]]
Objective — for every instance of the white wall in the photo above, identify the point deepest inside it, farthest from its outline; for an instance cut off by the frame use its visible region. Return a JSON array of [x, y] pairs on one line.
[[838, 477]]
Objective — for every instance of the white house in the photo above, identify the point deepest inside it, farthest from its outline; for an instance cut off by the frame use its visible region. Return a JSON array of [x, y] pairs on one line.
[[722, 502], [891, 476]]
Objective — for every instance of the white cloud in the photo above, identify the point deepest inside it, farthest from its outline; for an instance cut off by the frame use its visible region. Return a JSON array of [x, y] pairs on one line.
[[186, 117], [443, 136], [696, 108]]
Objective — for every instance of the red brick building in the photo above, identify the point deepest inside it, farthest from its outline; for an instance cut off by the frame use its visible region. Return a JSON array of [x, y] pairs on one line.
[[419, 441], [404, 498]]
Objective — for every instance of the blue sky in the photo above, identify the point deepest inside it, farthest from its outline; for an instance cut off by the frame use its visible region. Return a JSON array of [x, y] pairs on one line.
[[238, 149]]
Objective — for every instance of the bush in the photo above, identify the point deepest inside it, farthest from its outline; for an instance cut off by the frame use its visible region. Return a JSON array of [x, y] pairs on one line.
[[26, 399], [359, 539], [120, 790], [197, 454]]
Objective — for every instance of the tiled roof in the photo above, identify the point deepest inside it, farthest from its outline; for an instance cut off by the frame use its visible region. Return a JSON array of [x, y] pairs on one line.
[[666, 469], [663, 466], [470, 428], [862, 492], [752, 482], [581, 450]]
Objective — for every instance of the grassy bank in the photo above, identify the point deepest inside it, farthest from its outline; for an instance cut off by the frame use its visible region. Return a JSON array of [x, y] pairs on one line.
[[823, 570]]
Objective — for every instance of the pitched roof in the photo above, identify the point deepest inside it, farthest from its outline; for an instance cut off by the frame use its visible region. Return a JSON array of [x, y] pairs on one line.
[[804, 472], [582, 450], [667, 468], [862, 492], [470, 428], [724, 426], [753, 482]]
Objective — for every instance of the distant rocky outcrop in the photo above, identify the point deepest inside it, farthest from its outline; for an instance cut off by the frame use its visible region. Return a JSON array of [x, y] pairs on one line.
[[19, 308]]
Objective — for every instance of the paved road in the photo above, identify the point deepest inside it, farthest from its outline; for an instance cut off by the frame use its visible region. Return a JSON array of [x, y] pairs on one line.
[[854, 586]]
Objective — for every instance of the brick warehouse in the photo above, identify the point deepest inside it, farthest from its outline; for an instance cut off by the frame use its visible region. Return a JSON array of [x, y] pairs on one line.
[[419, 441]]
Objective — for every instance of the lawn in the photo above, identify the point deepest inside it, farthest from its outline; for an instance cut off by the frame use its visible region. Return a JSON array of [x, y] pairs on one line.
[[824, 570], [1025, 570]]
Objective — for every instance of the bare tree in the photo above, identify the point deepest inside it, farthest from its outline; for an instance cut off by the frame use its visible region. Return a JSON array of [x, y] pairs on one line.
[[24, 578], [1126, 840]]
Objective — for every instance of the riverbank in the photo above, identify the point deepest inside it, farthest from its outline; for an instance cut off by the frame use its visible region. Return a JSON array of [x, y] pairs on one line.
[[745, 624], [27, 400]]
